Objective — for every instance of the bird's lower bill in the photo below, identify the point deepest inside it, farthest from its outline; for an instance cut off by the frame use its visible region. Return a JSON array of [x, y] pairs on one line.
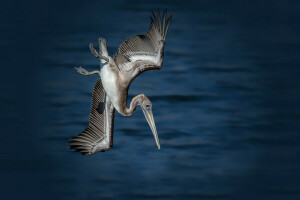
[[149, 117]]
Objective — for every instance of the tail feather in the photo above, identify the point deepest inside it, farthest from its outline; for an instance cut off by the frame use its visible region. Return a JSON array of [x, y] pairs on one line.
[[103, 48]]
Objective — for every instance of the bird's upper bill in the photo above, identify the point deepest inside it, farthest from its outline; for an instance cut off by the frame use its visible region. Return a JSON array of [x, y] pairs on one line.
[[149, 117]]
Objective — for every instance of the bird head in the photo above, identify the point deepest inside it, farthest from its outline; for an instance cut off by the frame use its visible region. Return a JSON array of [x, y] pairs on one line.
[[146, 106]]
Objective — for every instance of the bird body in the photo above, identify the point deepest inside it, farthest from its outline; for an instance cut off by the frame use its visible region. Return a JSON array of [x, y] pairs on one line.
[[136, 55], [111, 82]]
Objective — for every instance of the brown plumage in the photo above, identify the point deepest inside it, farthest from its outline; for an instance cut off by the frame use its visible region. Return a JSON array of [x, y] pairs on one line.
[[148, 46], [136, 55], [91, 140]]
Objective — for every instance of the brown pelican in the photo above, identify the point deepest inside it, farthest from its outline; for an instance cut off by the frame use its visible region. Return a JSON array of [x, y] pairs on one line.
[[136, 55]]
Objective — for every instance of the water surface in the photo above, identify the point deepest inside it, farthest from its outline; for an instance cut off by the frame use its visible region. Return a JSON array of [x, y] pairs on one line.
[[226, 102]]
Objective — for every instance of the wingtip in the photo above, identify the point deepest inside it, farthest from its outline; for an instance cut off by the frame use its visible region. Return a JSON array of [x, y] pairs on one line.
[[170, 18], [153, 14], [161, 23], [165, 11]]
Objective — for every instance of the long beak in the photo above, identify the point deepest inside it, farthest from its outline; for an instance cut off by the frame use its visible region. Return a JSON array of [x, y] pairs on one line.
[[149, 117]]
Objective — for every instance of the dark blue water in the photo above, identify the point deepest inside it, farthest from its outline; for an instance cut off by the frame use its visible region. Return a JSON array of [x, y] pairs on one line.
[[226, 102]]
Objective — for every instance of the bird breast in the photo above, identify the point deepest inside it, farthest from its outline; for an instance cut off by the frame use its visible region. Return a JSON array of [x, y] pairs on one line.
[[109, 80]]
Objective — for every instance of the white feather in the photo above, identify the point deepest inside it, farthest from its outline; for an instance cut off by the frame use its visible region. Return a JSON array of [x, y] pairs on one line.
[[109, 81]]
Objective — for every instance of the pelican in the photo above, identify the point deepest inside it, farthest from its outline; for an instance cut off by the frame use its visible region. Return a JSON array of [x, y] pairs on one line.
[[136, 55]]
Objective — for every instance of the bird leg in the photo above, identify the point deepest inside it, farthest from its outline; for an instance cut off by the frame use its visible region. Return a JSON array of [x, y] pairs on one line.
[[94, 51], [83, 71]]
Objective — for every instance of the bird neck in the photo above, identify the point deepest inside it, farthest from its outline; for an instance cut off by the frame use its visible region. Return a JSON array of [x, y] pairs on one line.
[[137, 100]]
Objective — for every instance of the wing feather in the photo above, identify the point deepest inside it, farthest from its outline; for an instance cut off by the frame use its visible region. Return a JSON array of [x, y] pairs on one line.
[[143, 52], [98, 135]]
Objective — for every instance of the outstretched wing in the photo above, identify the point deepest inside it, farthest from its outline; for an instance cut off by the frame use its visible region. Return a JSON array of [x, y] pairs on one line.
[[143, 52], [98, 136]]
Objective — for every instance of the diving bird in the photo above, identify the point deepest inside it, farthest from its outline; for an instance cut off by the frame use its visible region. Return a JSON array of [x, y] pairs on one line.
[[136, 55]]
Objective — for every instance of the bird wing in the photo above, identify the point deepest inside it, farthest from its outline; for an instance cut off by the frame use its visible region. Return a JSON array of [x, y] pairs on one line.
[[143, 52], [98, 136]]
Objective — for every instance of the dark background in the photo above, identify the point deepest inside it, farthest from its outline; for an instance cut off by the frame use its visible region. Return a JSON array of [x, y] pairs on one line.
[[226, 102]]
